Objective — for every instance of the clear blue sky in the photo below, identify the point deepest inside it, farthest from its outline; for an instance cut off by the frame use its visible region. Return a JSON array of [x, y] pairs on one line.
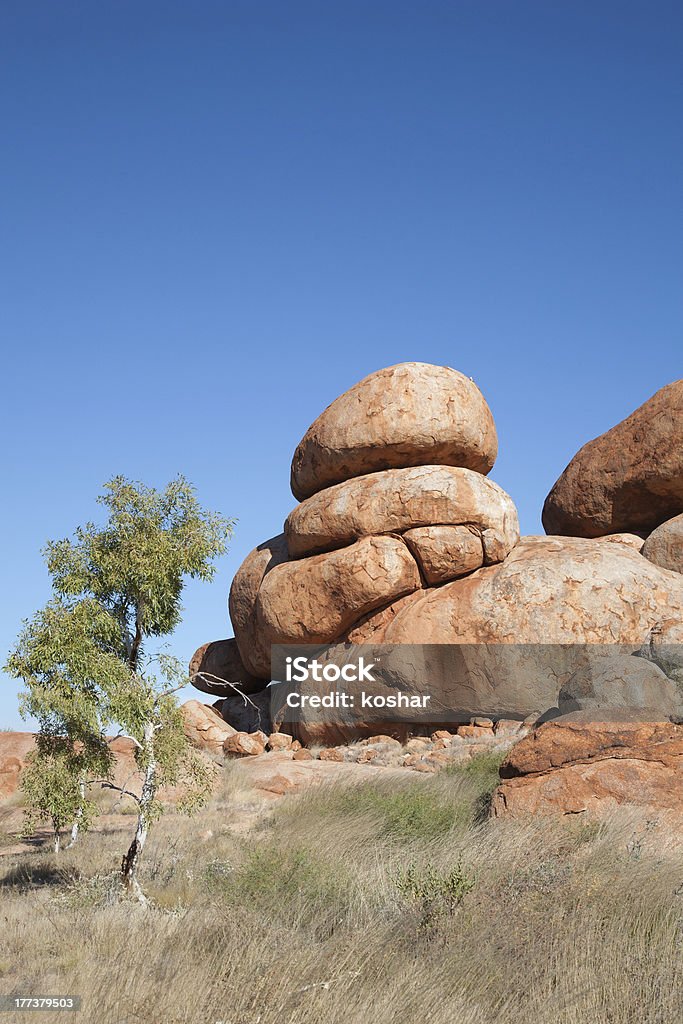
[[218, 216]]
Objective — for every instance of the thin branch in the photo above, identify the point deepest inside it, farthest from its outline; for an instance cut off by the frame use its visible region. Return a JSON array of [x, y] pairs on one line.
[[208, 677], [122, 791]]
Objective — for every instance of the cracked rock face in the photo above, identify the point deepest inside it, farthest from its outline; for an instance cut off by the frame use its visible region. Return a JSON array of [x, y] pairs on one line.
[[576, 765], [412, 414], [317, 599], [445, 552], [397, 500], [629, 479], [549, 590]]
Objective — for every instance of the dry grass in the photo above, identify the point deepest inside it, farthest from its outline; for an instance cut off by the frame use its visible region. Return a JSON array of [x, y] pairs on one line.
[[300, 919]]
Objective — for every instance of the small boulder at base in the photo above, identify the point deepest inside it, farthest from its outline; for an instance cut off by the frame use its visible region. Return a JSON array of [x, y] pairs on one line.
[[204, 727], [412, 414], [279, 741], [629, 479], [664, 546], [245, 744]]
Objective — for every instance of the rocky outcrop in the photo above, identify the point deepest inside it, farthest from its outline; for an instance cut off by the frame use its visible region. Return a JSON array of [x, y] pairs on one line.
[[204, 727], [398, 500], [401, 540], [629, 479], [576, 765], [412, 414], [664, 546], [555, 626], [403, 454]]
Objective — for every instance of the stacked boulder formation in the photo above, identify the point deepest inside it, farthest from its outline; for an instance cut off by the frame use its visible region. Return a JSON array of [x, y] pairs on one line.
[[401, 538]]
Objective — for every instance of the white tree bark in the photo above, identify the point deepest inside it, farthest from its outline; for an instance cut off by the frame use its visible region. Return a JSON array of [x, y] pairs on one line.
[[131, 860], [77, 819]]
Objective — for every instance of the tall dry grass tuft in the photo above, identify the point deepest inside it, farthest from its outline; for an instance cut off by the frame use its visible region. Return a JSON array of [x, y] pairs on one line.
[[296, 916]]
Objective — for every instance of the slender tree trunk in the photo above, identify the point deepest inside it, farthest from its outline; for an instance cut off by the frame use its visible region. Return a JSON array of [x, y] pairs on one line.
[[77, 819], [131, 860]]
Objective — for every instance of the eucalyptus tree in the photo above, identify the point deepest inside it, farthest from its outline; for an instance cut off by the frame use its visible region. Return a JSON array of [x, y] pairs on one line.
[[85, 659]]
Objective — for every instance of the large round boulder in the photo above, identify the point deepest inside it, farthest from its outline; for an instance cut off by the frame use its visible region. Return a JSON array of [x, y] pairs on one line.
[[518, 632], [412, 414], [253, 649], [629, 479], [664, 546], [549, 590], [396, 500], [316, 600]]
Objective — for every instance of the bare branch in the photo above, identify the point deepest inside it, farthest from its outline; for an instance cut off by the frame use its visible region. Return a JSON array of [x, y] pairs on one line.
[[122, 791], [208, 677]]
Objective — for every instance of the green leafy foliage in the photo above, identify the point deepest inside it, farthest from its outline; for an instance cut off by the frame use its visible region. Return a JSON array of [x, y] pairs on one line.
[[135, 565], [50, 784], [434, 892]]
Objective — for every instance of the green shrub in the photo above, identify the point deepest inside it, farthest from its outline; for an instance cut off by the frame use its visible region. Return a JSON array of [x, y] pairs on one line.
[[433, 892]]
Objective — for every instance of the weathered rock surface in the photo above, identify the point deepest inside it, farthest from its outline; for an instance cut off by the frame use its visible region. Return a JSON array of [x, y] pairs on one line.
[[612, 680], [631, 540], [204, 727], [253, 648], [664, 546], [507, 640], [217, 665], [245, 744], [664, 647], [628, 479], [549, 590], [445, 552], [576, 765], [315, 600], [397, 500], [412, 414]]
